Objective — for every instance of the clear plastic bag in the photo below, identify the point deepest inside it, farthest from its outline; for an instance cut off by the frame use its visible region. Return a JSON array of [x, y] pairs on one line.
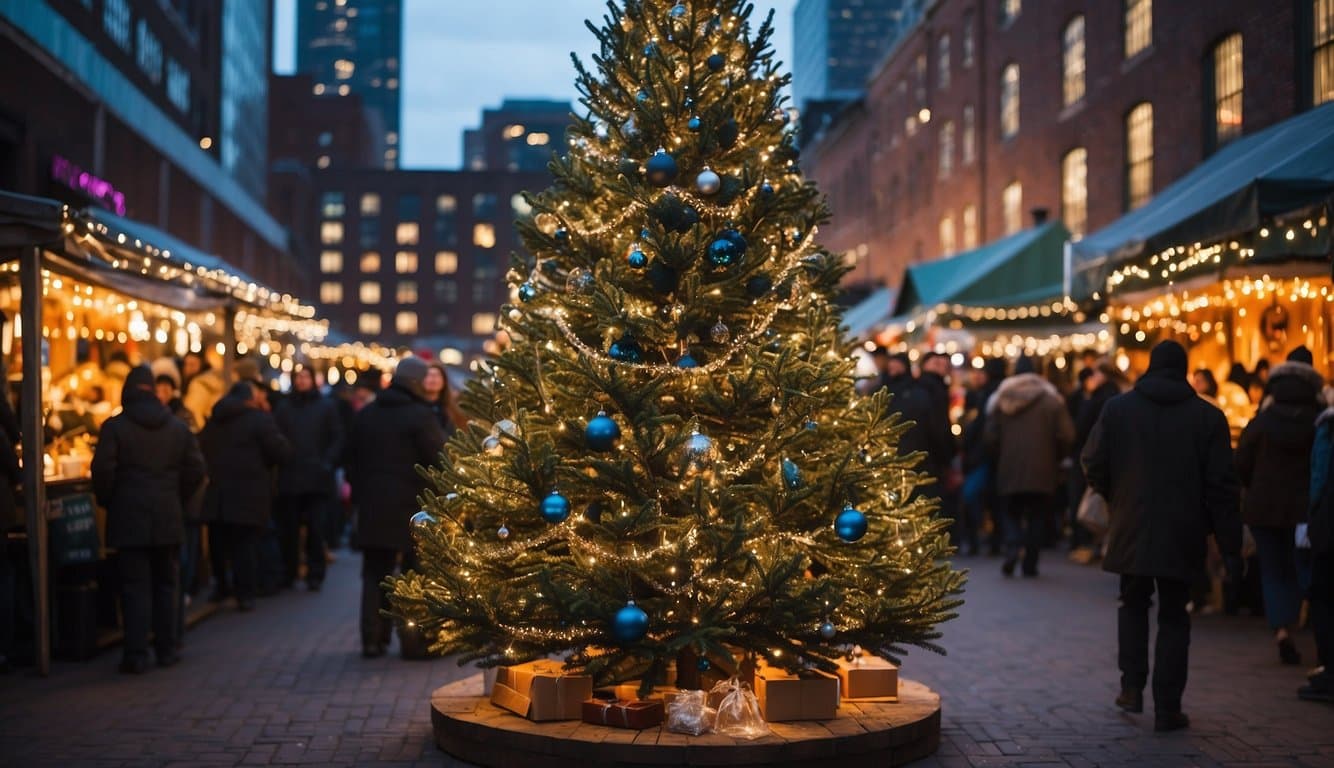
[[738, 711], [690, 713]]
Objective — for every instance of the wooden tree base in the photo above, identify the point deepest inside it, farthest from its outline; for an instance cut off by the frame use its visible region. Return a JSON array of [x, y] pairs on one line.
[[468, 727]]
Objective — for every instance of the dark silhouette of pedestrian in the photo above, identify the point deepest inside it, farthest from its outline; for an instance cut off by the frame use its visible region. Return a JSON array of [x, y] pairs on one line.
[[311, 423]]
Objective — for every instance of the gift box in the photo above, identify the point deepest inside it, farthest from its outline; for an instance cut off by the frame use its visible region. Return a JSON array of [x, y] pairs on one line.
[[868, 677], [623, 713], [806, 695], [541, 690]]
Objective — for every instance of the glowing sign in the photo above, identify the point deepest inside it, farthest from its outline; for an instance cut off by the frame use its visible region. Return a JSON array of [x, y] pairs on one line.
[[76, 178]]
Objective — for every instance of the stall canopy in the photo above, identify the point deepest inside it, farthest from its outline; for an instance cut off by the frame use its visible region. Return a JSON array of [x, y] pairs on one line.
[[862, 318], [29, 220], [1284, 168], [1023, 268]]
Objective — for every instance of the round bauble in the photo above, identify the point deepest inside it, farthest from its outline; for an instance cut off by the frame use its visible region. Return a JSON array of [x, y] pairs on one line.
[[759, 285], [678, 11], [555, 508], [708, 182], [661, 169], [642, 96], [626, 350], [602, 432], [811, 425], [699, 452], [727, 248], [629, 128], [507, 426], [687, 361], [562, 235], [527, 292], [492, 445], [636, 258], [703, 665], [694, 124], [851, 524], [579, 281], [600, 131], [791, 475], [716, 61], [767, 189], [828, 630], [422, 519], [502, 532], [720, 333], [630, 624]]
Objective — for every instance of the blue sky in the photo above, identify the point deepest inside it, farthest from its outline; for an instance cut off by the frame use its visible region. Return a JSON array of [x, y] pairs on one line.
[[461, 56]]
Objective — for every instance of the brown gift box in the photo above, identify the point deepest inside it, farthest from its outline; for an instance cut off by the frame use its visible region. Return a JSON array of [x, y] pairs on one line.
[[620, 713], [868, 677], [807, 695], [541, 690]]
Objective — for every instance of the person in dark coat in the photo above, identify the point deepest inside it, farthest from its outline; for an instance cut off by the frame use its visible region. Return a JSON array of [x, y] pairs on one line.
[[312, 425], [242, 445], [145, 468], [1104, 382], [390, 438], [1320, 535], [929, 434], [1274, 463], [1162, 458], [11, 516], [978, 496]]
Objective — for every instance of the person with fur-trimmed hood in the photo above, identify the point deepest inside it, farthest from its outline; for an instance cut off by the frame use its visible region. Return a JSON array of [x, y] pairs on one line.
[[1274, 463], [1029, 433]]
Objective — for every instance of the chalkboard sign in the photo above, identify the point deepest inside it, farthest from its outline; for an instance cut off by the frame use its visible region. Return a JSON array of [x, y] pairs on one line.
[[74, 536]]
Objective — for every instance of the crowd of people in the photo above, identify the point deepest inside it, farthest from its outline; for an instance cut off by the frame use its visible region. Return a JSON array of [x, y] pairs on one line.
[[1205, 488]]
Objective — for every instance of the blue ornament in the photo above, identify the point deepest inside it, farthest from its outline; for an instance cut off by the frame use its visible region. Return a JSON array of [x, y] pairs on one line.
[[716, 61], [687, 361], [850, 525], [811, 425], [767, 189], [562, 235], [626, 350], [791, 474], [650, 49], [555, 508], [727, 248], [759, 285], [602, 432], [527, 292], [688, 103], [550, 266], [642, 96], [694, 124], [630, 624], [661, 169], [703, 665], [828, 630], [678, 11], [637, 259]]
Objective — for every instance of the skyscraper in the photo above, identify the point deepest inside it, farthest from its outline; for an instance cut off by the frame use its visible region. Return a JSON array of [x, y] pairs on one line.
[[247, 40], [355, 46], [837, 42]]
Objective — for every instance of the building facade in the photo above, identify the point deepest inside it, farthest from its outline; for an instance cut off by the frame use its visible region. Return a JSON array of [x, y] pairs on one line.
[[356, 47], [520, 135], [836, 43], [986, 115]]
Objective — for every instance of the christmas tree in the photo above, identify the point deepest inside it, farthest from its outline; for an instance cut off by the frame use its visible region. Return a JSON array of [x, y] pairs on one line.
[[675, 466]]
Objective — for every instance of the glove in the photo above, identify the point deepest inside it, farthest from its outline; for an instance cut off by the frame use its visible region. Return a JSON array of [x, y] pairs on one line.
[[1235, 568]]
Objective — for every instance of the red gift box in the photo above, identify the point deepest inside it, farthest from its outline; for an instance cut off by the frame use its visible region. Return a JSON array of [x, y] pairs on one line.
[[623, 713]]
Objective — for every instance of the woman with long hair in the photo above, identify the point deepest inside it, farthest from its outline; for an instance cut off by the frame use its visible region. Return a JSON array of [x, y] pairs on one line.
[[440, 396]]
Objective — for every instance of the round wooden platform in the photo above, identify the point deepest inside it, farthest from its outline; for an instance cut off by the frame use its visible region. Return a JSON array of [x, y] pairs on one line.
[[468, 727]]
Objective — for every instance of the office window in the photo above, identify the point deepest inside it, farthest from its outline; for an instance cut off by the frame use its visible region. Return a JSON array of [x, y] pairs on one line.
[[116, 21], [1322, 51], [1012, 207], [1224, 88], [370, 204], [484, 323], [369, 293], [368, 322], [370, 233], [148, 52], [943, 62], [968, 142], [446, 204], [946, 148], [409, 207], [446, 291], [484, 235], [442, 321], [178, 85], [446, 262], [1009, 101], [947, 234], [1072, 61], [331, 205], [966, 46], [405, 262], [969, 227], [331, 262], [1139, 156], [407, 233], [481, 291], [919, 74], [484, 205], [1075, 191], [406, 292], [331, 232], [1138, 26], [1009, 11], [331, 293], [405, 322], [370, 262], [446, 231]]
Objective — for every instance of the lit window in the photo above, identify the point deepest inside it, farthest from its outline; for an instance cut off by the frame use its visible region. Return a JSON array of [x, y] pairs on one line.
[[968, 146], [1072, 61], [484, 235], [370, 262], [1075, 191], [969, 227], [943, 62], [405, 322], [1009, 11], [1012, 207], [538, 139], [1322, 52], [1139, 156], [1009, 101], [369, 293], [1138, 26], [370, 204], [116, 21], [331, 293], [406, 292], [446, 262], [946, 150], [405, 262], [318, 89], [343, 69], [331, 232], [519, 205], [1225, 86], [919, 67], [947, 234], [331, 262], [484, 323], [331, 205], [446, 204], [322, 162], [407, 233], [966, 48], [513, 131], [368, 322]]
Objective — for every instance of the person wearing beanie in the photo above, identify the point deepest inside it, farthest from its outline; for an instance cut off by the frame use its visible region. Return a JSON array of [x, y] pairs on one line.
[[146, 466], [1162, 458], [1274, 463], [389, 439]]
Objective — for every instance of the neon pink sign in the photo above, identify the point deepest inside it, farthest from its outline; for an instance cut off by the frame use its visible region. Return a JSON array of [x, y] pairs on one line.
[[76, 178]]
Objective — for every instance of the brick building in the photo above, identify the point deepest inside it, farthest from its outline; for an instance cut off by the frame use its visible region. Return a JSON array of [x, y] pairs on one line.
[[987, 113]]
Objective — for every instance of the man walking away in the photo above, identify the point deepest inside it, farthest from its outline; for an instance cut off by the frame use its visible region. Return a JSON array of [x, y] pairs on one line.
[[1162, 458], [312, 425], [145, 468]]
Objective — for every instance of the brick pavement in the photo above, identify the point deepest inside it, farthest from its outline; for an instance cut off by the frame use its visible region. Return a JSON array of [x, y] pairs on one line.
[[1029, 681]]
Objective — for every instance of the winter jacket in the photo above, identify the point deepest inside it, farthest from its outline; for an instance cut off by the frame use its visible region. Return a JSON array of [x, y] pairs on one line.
[[1321, 514], [390, 438], [202, 393], [974, 432], [1028, 433], [1090, 409], [1274, 452], [242, 445], [312, 425], [1162, 458], [930, 434], [145, 468]]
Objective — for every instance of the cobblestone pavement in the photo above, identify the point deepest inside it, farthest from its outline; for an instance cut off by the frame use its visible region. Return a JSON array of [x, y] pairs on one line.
[[1029, 681]]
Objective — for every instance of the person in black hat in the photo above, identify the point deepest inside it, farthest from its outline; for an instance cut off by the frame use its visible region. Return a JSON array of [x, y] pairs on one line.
[[1162, 458]]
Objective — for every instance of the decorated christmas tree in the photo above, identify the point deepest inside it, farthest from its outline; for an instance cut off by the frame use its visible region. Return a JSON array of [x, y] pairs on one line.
[[669, 462]]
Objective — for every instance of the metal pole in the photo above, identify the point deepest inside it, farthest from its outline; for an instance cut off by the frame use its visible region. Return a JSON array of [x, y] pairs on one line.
[[228, 341], [30, 420]]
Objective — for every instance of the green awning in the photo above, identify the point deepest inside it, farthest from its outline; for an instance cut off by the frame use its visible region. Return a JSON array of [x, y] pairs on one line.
[[1024, 268]]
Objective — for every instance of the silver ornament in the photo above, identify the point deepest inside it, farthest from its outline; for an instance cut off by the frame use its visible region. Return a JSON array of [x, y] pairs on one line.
[[580, 280], [502, 533], [506, 426], [629, 128], [600, 131], [493, 446], [422, 519], [708, 182], [720, 333], [700, 452], [828, 630]]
